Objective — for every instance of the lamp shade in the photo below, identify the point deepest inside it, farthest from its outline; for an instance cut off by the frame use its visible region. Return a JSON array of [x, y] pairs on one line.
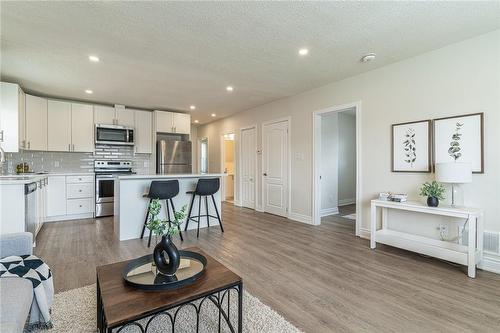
[[454, 172]]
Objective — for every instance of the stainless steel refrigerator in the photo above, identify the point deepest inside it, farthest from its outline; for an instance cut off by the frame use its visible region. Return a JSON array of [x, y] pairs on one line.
[[173, 157]]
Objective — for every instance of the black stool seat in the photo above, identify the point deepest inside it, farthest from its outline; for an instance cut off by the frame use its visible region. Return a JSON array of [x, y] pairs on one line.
[[161, 190], [204, 188]]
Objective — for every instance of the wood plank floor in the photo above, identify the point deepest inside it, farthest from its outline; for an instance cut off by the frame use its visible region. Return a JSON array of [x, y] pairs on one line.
[[322, 279]]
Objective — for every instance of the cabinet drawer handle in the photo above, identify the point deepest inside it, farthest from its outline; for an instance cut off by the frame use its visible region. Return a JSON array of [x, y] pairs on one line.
[[79, 190], [80, 206]]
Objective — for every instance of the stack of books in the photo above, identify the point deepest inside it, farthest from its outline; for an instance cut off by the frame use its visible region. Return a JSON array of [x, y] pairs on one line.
[[398, 197]]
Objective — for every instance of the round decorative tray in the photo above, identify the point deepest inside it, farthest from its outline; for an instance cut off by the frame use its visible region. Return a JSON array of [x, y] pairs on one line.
[[142, 273]]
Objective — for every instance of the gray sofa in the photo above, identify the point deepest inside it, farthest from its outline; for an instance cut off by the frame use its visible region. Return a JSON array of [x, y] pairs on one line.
[[16, 294]]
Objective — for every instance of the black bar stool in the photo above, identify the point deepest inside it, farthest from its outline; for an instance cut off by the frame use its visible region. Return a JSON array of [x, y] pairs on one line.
[[204, 188], [162, 190]]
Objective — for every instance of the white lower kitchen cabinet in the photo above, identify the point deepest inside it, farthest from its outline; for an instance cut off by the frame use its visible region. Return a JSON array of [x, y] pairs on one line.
[[22, 203], [56, 196], [70, 197], [12, 208]]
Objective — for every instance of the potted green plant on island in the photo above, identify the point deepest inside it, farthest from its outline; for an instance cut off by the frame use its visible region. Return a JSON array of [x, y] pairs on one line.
[[434, 192], [165, 254]]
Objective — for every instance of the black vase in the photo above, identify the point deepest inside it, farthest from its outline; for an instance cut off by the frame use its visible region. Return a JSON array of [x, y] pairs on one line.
[[166, 256], [432, 201]]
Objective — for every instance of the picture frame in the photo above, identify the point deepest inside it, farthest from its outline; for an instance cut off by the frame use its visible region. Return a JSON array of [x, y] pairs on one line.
[[411, 146], [460, 138]]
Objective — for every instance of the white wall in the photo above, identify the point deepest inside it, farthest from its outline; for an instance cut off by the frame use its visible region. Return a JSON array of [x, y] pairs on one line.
[[347, 158], [458, 79], [329, 163]]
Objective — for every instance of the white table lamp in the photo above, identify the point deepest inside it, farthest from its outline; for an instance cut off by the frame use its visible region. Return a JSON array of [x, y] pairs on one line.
[[454, 173]]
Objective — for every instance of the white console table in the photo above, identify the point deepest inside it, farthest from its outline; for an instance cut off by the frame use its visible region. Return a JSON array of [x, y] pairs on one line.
[[469, 255]]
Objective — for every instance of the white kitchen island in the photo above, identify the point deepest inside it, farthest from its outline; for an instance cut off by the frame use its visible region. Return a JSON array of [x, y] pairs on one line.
[[130, 205]]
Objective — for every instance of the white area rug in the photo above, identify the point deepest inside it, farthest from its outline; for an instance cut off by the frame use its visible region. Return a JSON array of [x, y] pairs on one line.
[[75, 311], [350, 216]]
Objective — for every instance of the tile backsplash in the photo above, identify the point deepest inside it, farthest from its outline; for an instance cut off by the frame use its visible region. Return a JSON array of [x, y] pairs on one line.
[[75, 162]]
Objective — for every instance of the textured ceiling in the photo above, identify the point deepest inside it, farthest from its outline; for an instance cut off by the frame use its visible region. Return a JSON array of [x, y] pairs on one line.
[[169, 55]]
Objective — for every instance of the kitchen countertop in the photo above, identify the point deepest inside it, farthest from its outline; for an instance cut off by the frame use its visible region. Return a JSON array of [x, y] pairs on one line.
[[170, 176], [21, 179]]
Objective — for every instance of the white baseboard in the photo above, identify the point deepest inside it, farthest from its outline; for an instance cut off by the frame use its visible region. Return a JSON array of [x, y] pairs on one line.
[[300, 218], [345, 202], [68, 217], [259, 209], [237, 203], [329, 211], [364, 233], [490, 263]]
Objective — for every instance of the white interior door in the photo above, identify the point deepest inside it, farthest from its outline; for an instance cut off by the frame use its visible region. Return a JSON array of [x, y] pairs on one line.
[[248, 161], [275, 167]]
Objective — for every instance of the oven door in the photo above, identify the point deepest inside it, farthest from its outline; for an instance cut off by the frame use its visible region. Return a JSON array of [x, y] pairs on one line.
[[104, 188], [114, 135]]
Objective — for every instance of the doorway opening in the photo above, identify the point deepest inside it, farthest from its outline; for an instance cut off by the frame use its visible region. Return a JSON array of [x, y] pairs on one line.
[[228, 152], [203, 155], [336, 171]]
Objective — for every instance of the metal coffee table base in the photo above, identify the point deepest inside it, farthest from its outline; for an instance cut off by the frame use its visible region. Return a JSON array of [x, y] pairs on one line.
[[218, 298]]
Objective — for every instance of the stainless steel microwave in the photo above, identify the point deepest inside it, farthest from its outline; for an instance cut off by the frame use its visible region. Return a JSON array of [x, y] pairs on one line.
[[114, 135]]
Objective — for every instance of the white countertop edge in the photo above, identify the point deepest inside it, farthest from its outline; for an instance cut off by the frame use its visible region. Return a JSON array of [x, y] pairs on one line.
[[21, 179], [193, 175]]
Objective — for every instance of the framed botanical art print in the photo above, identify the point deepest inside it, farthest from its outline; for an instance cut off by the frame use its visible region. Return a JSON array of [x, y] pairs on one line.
[[460, 139], [411, 147]]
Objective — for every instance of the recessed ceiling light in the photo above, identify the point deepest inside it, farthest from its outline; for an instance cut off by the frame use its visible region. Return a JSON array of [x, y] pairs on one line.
[[368, 57], [196, 121], [192, 107], [88, 91], [229, 88], [213, 115], [94, 58], [303, 52]]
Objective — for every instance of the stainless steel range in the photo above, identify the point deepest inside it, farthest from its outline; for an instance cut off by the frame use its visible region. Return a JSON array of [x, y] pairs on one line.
[[105, 172]]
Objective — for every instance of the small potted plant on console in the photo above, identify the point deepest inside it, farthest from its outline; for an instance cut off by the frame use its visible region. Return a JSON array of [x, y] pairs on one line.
[[434, 192]]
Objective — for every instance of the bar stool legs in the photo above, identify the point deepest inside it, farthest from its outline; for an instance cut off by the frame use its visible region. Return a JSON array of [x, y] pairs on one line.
[[189, 212], [197, 219], [217, 212], [145, 224], [168, 215]]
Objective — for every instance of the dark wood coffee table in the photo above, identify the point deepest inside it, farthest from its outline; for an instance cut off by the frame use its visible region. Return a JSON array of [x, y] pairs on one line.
[[120, 305]]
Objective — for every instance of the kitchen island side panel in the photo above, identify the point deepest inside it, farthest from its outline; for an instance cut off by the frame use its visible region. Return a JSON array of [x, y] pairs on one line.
[[130, 205]]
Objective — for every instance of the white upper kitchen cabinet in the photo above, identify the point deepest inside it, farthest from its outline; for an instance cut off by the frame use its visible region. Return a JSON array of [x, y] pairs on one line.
[[143, 132], [182, 123], [164, 121], [125, 117], [12, 117], [82, 127], [36, 123], [104, 115], [59, 126]]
